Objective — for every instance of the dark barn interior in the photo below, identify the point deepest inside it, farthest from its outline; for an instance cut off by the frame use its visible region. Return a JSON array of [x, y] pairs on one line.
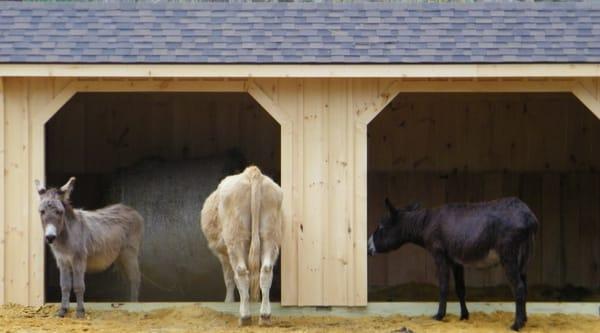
[[436, 148], [161, 153]]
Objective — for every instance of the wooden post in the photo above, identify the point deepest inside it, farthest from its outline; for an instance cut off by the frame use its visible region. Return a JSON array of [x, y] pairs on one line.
[[16, 182], [2, 197]]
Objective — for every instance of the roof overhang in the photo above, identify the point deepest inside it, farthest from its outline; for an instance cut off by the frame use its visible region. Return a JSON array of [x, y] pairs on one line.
[[301, 70]]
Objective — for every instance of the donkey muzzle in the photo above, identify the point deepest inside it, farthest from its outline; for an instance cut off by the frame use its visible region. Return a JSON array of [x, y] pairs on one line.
[[50, 233], [371, 247], [50, 238]]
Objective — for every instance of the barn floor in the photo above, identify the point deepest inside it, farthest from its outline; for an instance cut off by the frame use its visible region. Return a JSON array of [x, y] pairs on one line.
[[502, 293], [195, 318]]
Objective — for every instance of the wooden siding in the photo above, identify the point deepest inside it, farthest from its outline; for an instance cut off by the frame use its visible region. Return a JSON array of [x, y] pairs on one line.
[[543, 148], [97, 133], [566, 204], [323, 169]]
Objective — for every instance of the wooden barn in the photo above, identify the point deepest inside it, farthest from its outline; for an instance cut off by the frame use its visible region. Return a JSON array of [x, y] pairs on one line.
[[342, 104]]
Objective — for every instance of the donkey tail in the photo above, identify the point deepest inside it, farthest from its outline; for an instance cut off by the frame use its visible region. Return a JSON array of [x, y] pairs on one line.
[[255, 177], [526, 251]]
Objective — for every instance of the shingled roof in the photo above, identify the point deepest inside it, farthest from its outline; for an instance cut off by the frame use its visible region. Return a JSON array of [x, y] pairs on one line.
[[200, 33]]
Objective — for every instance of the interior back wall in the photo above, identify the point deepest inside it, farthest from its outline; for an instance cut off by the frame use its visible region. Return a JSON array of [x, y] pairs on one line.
[[543, 148]]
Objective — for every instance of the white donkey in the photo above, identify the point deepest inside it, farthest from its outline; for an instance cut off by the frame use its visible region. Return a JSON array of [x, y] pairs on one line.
[[242, 219], [89, 241]]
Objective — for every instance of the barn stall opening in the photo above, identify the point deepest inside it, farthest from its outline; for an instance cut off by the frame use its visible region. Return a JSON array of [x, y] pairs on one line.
[[161, 153], [437, 148]]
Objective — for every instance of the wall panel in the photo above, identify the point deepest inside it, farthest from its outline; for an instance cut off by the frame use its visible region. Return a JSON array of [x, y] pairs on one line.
[[326, 263], [16, 181]]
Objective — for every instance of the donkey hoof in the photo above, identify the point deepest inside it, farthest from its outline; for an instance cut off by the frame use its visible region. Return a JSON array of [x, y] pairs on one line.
[[264, 320], [245, 321], [517, 326], [61, 312], [438, 317], [464, 316], [80, 314]]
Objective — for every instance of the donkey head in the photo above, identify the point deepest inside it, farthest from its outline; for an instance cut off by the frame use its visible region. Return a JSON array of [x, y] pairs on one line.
[[391, 231], [54, 204]]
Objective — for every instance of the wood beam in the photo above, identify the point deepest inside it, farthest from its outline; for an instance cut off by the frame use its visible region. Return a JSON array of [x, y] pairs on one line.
[[589, 94], [302, 70]]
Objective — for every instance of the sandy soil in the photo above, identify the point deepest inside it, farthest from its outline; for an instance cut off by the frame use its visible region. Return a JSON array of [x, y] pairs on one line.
[[197, 319]]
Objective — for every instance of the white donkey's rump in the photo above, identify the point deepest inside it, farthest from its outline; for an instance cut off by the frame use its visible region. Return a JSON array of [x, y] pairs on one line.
[[242, 219]]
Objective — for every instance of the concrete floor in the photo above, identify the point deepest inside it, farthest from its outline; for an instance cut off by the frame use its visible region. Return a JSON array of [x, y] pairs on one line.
[[372, 309]]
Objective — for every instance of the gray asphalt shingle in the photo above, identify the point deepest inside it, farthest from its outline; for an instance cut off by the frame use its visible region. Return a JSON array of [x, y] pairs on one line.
[[172, 32]]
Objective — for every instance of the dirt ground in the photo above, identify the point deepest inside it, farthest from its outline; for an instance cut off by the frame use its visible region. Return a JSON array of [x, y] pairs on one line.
[[197, 319]]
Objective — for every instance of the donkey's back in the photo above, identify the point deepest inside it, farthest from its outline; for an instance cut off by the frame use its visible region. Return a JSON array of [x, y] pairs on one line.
[[109, 232], [495, 217], [475, 233]]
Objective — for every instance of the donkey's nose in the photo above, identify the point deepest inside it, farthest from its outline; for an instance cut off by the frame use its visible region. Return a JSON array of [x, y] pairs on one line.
[[50, 238]]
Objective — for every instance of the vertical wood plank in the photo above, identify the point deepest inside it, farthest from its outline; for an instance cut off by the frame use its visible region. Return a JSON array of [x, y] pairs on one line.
[[40, 94], [588, 234], [570, 230], [290, 101], [479, 132], [16, 180], [361, 95], [359, 220], [290, 97], [315, 168], [550, 233], [2, 194], [336, 267]]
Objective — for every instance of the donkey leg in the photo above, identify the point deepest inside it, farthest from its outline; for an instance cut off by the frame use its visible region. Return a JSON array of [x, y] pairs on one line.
[[129, 262], [269, 256], [242, 280], [443, 276], [228, 277], [517, 284], [79, 286], [65, 288], [524, 279], [459, 284]]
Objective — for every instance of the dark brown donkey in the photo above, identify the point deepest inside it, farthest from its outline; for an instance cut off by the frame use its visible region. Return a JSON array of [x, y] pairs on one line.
[[472, 234], [89, 241]]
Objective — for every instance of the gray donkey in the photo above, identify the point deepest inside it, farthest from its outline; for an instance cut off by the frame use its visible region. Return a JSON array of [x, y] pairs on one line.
[[89, 241]]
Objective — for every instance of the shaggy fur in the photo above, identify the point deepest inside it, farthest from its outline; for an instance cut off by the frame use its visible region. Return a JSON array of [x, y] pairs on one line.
[[89, 241], [241, 221]]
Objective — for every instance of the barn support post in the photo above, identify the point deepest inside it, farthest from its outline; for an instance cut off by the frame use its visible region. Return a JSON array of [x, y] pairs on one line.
[[2, 194], [16, 173]]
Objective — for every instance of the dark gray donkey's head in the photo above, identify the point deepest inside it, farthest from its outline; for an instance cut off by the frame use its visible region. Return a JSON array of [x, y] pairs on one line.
[[54, 205], [391, 233]]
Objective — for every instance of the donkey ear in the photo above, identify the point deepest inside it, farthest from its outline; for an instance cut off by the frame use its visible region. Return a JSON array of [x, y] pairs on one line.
[[412, 206], [41, 189], [68, 187], [390, 206]]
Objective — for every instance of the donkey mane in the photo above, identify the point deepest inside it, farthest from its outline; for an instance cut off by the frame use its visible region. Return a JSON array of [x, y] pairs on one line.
[[415, 224]]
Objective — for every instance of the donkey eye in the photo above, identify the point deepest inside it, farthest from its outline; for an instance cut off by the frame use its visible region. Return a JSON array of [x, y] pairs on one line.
[[42, 212]]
